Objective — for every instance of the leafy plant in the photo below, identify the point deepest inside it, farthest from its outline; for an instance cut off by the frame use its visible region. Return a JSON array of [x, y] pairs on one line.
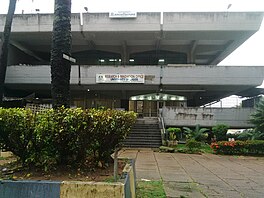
[[220, 132], [63, 136], [257, 119], [198, 134], [245, 135], [16, 130], [174, 133], [249, 147], [193, 145], [172, 136]]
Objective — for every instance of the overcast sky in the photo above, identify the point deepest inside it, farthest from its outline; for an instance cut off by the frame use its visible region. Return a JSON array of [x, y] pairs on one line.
[[249, 53]]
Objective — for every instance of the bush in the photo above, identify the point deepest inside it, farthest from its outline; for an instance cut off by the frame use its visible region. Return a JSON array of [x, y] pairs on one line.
[[220, 131], [193, 145], [63, 136], [16, 131], [249, 147], [257, 119], [173, 133], [198, 134], [109, 128]]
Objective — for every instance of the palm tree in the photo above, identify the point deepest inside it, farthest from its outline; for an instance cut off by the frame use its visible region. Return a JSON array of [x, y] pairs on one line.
[[4, 47], [198, 134], [61, 44], [257, 119]]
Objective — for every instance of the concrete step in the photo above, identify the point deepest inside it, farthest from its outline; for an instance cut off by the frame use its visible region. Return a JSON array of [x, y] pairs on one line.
[[144, 134], [143, 145], [143, 138], [145, 130]]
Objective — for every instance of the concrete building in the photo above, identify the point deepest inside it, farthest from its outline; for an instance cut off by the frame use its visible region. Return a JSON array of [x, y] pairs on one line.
[[137, 61]]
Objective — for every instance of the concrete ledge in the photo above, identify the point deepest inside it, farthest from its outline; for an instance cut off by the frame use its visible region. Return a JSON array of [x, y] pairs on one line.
[[6, 154], [91, 189], [29, 189], [72, 189]]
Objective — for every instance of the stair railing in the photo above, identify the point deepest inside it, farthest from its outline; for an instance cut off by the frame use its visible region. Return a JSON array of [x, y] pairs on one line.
[[162, 126]]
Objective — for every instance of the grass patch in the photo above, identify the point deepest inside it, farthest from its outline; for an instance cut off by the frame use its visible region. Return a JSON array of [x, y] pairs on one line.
[[150, 189], [183, 149], [206, 148], [2, 158]]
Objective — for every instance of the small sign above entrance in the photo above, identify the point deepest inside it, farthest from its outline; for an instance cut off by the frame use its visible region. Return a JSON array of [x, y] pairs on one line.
[[122, 14], [120, 78]]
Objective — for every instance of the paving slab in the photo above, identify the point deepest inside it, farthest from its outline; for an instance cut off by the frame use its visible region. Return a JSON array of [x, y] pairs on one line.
[[205, 175]]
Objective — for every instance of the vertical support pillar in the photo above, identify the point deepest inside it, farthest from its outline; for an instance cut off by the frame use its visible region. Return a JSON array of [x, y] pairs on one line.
[[124, 54], [125, 104]]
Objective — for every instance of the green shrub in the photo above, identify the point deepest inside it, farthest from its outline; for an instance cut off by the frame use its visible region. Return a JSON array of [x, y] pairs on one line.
[[198, 134], [16, 130], [220, 131], [173, 133], [63, 136], [257, 119], [193, 145], [109, 128], [249, 147]]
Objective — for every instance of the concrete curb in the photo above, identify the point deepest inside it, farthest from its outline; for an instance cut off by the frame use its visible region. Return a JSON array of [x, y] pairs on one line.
[[71, 189]]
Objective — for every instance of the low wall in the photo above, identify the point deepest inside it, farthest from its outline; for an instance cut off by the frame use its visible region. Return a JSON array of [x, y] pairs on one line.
[[71, 189], [207, 117]]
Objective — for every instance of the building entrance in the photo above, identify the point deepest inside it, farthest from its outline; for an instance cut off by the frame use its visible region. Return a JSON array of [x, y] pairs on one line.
[[149, 105]]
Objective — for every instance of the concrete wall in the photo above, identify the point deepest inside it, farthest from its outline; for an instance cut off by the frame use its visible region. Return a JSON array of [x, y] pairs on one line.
[[181, 75], [210, 20], [27, 74], [72, 189], [91, 189], [29, 189], [144, 22], [207, 117]]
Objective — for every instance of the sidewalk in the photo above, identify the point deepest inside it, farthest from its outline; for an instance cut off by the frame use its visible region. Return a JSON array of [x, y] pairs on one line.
[[204, 175]]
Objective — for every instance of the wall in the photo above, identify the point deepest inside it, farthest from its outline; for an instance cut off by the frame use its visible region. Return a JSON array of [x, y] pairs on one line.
[[207, 117], [171, 75]]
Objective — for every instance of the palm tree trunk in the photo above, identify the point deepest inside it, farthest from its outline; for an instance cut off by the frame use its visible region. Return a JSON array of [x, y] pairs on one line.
[[4, 47], [61, 44]]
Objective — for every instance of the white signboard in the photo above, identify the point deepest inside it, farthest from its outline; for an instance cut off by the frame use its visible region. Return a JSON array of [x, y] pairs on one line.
[[69, 58], [120, 78], [122, 14]]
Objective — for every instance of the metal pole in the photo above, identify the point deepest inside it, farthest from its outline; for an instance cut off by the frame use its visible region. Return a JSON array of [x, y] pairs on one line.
[[115, 164]]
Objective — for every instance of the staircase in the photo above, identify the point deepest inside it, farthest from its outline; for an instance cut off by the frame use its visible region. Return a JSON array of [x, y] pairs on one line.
[[144, 134]]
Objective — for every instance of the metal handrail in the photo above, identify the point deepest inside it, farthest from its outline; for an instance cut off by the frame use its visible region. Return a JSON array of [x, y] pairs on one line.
[[161, 121]]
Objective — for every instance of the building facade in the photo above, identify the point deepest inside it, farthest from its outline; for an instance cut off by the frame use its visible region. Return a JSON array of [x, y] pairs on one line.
[[136, 61]]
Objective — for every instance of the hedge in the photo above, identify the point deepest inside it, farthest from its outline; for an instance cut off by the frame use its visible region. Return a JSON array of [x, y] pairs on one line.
[[249, 147], [63, 136]]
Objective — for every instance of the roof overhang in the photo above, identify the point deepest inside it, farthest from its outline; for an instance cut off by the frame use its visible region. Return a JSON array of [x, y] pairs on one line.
[[206, 37]]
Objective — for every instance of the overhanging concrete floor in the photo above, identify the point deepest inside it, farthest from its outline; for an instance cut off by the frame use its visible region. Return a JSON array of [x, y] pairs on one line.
[[205, 175]]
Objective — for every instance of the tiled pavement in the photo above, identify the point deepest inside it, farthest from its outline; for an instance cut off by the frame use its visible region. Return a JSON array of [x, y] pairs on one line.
[[206, 175]]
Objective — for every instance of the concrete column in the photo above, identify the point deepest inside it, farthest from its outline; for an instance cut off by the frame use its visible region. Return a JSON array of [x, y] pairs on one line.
[[124, 54], [125, 104]]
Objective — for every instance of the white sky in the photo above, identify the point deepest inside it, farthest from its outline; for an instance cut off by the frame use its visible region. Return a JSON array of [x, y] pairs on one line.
[[249, 53]]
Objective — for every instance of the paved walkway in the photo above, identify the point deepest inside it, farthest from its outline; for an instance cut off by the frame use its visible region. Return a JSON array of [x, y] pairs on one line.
[[207, 175]]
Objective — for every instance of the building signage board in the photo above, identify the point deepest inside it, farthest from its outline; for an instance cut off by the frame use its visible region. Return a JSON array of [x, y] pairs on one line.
[[123, 14], [120, 78]]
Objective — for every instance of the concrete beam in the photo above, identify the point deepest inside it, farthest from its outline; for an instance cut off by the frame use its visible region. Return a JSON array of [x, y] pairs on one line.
[[26, 50], [222, 54], [193, 50], [92, 44], [157, 44]]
